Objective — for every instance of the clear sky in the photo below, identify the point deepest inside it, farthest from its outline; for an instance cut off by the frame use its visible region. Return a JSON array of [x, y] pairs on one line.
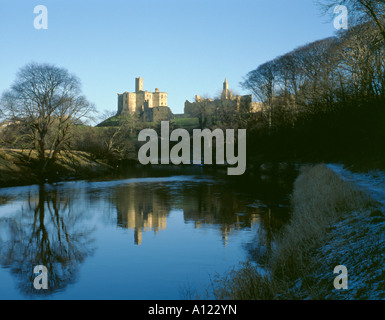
[[183, 47]]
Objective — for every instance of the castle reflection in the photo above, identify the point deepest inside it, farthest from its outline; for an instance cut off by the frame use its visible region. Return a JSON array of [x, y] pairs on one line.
[[141, 209], [145, 207]]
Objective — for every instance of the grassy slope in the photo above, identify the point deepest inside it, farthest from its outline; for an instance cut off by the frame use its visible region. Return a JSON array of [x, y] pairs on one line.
[[333, 223], [17, 169], [187, 122]]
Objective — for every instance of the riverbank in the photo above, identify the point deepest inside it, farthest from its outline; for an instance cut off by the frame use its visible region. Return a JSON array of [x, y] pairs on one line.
[[17, 167], [333, 223]]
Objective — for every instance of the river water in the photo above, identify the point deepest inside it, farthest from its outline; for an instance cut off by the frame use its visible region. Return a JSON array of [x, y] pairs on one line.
[[138, 238]]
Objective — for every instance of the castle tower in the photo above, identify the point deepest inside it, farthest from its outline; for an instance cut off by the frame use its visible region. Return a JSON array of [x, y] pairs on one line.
[[144, 102], [225, 85], [225, 92], [138, 84]]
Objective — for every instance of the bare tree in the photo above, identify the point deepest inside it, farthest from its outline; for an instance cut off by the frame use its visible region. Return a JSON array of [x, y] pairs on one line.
[[262, 83], [48, 101], [361, 11], [116, 140], [204, 110], [106, 115]]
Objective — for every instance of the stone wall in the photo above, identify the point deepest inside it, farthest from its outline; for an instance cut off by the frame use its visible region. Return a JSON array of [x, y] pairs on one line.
[[237, 104], [156, 114]]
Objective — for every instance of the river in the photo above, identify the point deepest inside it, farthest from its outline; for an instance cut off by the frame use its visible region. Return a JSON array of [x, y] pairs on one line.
[[139, 238]]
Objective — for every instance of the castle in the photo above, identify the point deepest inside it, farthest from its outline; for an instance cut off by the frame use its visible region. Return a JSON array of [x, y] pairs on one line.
[[235, 103], [151, 106]]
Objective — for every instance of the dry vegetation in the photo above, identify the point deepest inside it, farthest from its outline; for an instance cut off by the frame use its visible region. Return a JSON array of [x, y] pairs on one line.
[[300, 264], [319, 199], [17, 167]]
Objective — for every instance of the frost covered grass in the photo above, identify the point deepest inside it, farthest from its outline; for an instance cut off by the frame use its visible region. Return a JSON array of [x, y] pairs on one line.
[[357, 242], [332, 223], [320, 197]]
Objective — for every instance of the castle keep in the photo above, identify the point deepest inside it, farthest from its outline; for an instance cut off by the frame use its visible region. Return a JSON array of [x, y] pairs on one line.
[[152, 106]]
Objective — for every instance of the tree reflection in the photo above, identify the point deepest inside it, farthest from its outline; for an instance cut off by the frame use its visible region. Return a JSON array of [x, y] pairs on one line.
[[46, 231], [272, 220]]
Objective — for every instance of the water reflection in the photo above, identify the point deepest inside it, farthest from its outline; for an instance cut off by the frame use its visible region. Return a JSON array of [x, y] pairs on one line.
[[142, 208], [49, 231], [61, 226], [145, 207]]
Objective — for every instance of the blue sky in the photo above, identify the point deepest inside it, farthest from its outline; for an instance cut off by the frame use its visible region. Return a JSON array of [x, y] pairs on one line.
[[184, 47]]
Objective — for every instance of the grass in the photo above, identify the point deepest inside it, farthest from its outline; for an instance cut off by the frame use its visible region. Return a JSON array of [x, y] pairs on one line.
[[187, 122], [17, 167], [320, 199]]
